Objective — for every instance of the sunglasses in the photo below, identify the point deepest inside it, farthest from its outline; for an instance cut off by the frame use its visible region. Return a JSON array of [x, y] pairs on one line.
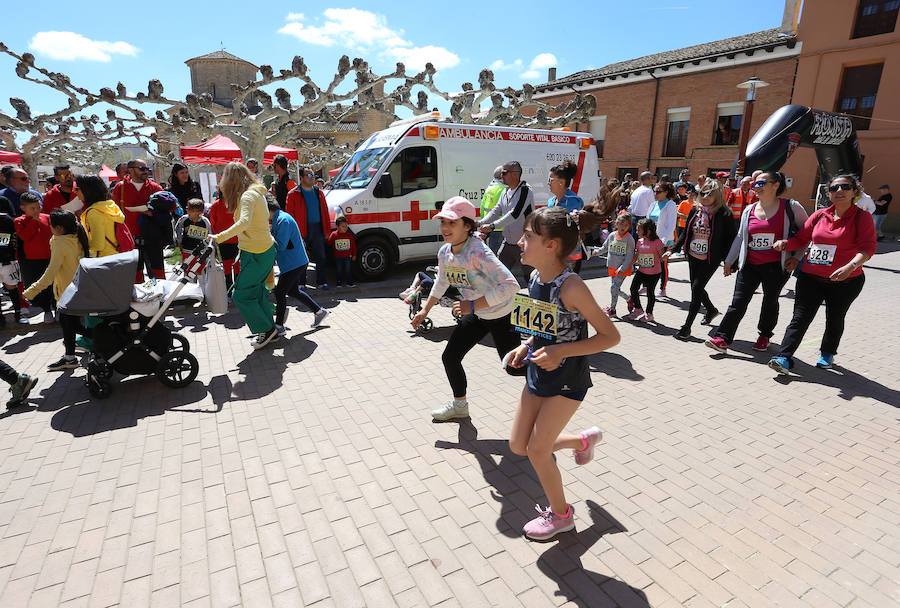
[[844, 187], [658, 191], [761, 182], [310, 175], [505, 171], [706, 193]]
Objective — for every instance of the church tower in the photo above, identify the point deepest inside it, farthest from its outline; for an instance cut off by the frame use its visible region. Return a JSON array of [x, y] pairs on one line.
[[214, 73]]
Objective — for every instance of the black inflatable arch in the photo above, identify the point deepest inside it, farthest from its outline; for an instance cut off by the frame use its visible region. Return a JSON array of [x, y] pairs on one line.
[[831, 135]]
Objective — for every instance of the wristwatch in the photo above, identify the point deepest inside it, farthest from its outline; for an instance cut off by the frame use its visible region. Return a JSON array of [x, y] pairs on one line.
[[854, 264]]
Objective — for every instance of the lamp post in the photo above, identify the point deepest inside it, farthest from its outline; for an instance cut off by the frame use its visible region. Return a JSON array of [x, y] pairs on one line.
[[751, 85]]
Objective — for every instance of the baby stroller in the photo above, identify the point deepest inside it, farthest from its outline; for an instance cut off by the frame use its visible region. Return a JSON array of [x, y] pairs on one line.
[[127, 341], [426, 282]]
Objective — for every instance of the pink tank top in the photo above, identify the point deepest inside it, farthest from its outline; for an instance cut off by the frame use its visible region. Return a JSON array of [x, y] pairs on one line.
[[762, 234]]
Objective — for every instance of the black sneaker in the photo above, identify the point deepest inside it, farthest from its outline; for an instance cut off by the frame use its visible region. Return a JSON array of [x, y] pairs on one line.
[[684, 334], [20, 390], [64, 363], [264, 338], [709, 316]]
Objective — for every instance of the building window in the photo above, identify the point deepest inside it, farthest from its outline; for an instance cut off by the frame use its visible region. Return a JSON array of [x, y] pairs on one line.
[[875, 17], [598, 131], [728, 124], [677, 132], [669, 172], [212, 90], [859, 88]]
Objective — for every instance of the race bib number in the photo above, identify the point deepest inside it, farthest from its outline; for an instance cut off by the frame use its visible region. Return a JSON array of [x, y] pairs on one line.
[[700, 246], [617, 248], [645, 260], [761, 241], [534, 317], [342, 245], [197, 232], [5, 237], [457, 276], [821, 254]]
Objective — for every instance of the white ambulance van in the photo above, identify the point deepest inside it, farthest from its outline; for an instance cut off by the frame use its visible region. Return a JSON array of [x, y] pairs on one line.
[[394, 184]]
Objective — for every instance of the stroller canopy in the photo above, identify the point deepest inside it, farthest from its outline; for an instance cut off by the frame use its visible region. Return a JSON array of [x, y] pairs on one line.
[[102, 286]]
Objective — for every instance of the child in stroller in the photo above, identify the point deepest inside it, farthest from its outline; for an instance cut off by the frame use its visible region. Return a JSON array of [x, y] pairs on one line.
[[419, 290]]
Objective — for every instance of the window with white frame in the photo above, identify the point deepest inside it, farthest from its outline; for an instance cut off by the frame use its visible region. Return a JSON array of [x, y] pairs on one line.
[[728, 123]]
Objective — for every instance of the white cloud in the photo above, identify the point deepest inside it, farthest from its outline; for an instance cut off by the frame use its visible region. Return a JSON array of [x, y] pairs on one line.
[[499, 65], [362, 30], [542, 61], [530, 75], [69, 46]]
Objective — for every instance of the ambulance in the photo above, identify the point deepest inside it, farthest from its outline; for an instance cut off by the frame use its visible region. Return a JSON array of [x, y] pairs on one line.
[[397, 180]]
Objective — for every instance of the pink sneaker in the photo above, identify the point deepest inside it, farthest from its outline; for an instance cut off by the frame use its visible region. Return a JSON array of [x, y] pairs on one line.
[[762, 344], [610, 311], [648, 318], [635, 314], [717, 344], [548, 524], [589, 438]]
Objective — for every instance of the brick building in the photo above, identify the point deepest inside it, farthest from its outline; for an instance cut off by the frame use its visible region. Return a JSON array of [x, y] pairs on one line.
[[681, 109], [850, 62]]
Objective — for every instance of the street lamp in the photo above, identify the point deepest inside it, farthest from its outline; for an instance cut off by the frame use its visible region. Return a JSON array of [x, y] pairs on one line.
[[751, 85]]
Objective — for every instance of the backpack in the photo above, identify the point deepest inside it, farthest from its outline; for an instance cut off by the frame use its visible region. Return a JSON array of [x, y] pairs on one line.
[[123, 238]]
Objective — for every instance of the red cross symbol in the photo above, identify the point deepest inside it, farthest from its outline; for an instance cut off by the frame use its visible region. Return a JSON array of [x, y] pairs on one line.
[[415, 216]]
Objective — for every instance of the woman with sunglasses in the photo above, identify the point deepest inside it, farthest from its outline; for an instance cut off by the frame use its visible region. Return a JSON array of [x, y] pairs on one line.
[[561, 195], [708, 235], [841, 239], [664, 213], [769, 219]]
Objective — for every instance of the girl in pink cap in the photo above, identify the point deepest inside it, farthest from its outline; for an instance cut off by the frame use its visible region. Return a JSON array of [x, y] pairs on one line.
[[487, 288]]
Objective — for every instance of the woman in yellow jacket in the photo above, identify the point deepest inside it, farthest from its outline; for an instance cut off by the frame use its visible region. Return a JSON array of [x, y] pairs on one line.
[[100, 215], [245, 196], [68, 245]]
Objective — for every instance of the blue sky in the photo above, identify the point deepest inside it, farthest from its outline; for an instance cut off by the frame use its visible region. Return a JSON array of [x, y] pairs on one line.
[[99, 47]]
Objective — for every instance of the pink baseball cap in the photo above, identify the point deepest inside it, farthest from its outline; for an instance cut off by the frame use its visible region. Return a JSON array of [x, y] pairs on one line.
[[721, 174], [457, 207]]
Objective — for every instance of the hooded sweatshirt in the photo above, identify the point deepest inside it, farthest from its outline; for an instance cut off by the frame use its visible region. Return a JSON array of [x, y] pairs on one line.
[[251, 222], [65, 251], [99, 221]]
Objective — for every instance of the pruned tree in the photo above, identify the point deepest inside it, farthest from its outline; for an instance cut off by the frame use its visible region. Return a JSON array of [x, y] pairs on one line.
[[275, 120]]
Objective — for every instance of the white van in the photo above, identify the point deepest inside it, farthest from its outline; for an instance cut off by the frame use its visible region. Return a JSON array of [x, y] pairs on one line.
[[398, 179]]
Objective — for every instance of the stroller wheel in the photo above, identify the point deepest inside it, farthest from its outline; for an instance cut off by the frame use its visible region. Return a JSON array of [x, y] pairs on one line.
[[427, 325], [99, 368], [411, 313], [180, 343], [177, 369]]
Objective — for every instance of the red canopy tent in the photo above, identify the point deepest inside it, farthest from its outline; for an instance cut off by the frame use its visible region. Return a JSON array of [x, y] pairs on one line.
[[10, 157], [106, 172], [220, 150]]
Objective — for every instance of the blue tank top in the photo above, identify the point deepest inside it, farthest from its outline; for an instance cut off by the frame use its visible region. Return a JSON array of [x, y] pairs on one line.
[[559, 325]]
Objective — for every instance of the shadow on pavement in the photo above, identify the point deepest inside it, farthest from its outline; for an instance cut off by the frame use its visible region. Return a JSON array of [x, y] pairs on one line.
[[562, 564], [263, 370], [134, 400], [849, 383], [614, 365], [515, 484]]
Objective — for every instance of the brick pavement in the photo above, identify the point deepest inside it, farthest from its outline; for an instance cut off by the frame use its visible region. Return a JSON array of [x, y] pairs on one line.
[[310, 473]]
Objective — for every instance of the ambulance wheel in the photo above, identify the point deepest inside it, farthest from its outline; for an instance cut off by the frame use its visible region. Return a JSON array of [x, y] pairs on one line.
[[177, 369], [375, 259], [179, 342], [427, 325]]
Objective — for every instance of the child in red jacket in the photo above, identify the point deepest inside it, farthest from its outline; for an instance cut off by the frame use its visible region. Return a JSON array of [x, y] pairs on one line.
[[344, 244], [33, 230]]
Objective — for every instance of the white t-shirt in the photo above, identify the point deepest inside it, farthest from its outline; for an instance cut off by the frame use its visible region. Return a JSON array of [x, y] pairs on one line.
[[642, 199], [865, 202]]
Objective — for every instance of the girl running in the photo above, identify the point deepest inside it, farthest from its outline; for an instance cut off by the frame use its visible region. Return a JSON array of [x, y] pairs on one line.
[[648, 257], [487, 287], [619, 250], [556, 314]]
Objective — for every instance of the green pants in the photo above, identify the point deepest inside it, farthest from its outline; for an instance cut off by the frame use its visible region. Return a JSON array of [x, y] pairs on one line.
[[250, 294]]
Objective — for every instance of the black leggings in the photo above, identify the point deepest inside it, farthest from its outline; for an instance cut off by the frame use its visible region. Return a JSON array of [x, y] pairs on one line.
[[772, 277], [700, 272], [7, 373], [71, 327], [469, 332], [809, 293], [646, 280], [152, 252], [289, 285], [31, 272]]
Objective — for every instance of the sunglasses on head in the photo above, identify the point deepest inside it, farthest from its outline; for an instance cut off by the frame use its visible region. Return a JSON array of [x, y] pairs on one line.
[[657, 190], [844, 187]]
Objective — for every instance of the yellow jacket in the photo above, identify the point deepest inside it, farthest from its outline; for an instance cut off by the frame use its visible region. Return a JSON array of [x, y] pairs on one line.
[[65, 251], [99, 221], [251, 222]]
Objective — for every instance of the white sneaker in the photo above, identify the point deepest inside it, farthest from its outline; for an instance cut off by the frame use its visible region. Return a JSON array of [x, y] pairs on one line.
[[265, 338], [281, 330], [660, 293], [405, 293], [319, 317], [451, 410]]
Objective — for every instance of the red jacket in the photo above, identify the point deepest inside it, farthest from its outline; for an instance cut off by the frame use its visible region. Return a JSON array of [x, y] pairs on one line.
[[220, 219], [337, 237], [55, 198], [833, 243], [132, 197], [296, 208], [35, 236]]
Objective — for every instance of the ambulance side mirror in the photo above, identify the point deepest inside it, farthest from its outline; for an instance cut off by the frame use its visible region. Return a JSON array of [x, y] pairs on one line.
[[385, 187]]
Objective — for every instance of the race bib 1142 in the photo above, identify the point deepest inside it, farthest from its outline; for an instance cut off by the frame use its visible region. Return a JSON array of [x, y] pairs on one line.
[[534, 317]]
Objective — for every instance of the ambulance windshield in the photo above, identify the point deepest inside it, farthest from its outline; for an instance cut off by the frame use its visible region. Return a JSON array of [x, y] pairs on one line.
[[360, 169]]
